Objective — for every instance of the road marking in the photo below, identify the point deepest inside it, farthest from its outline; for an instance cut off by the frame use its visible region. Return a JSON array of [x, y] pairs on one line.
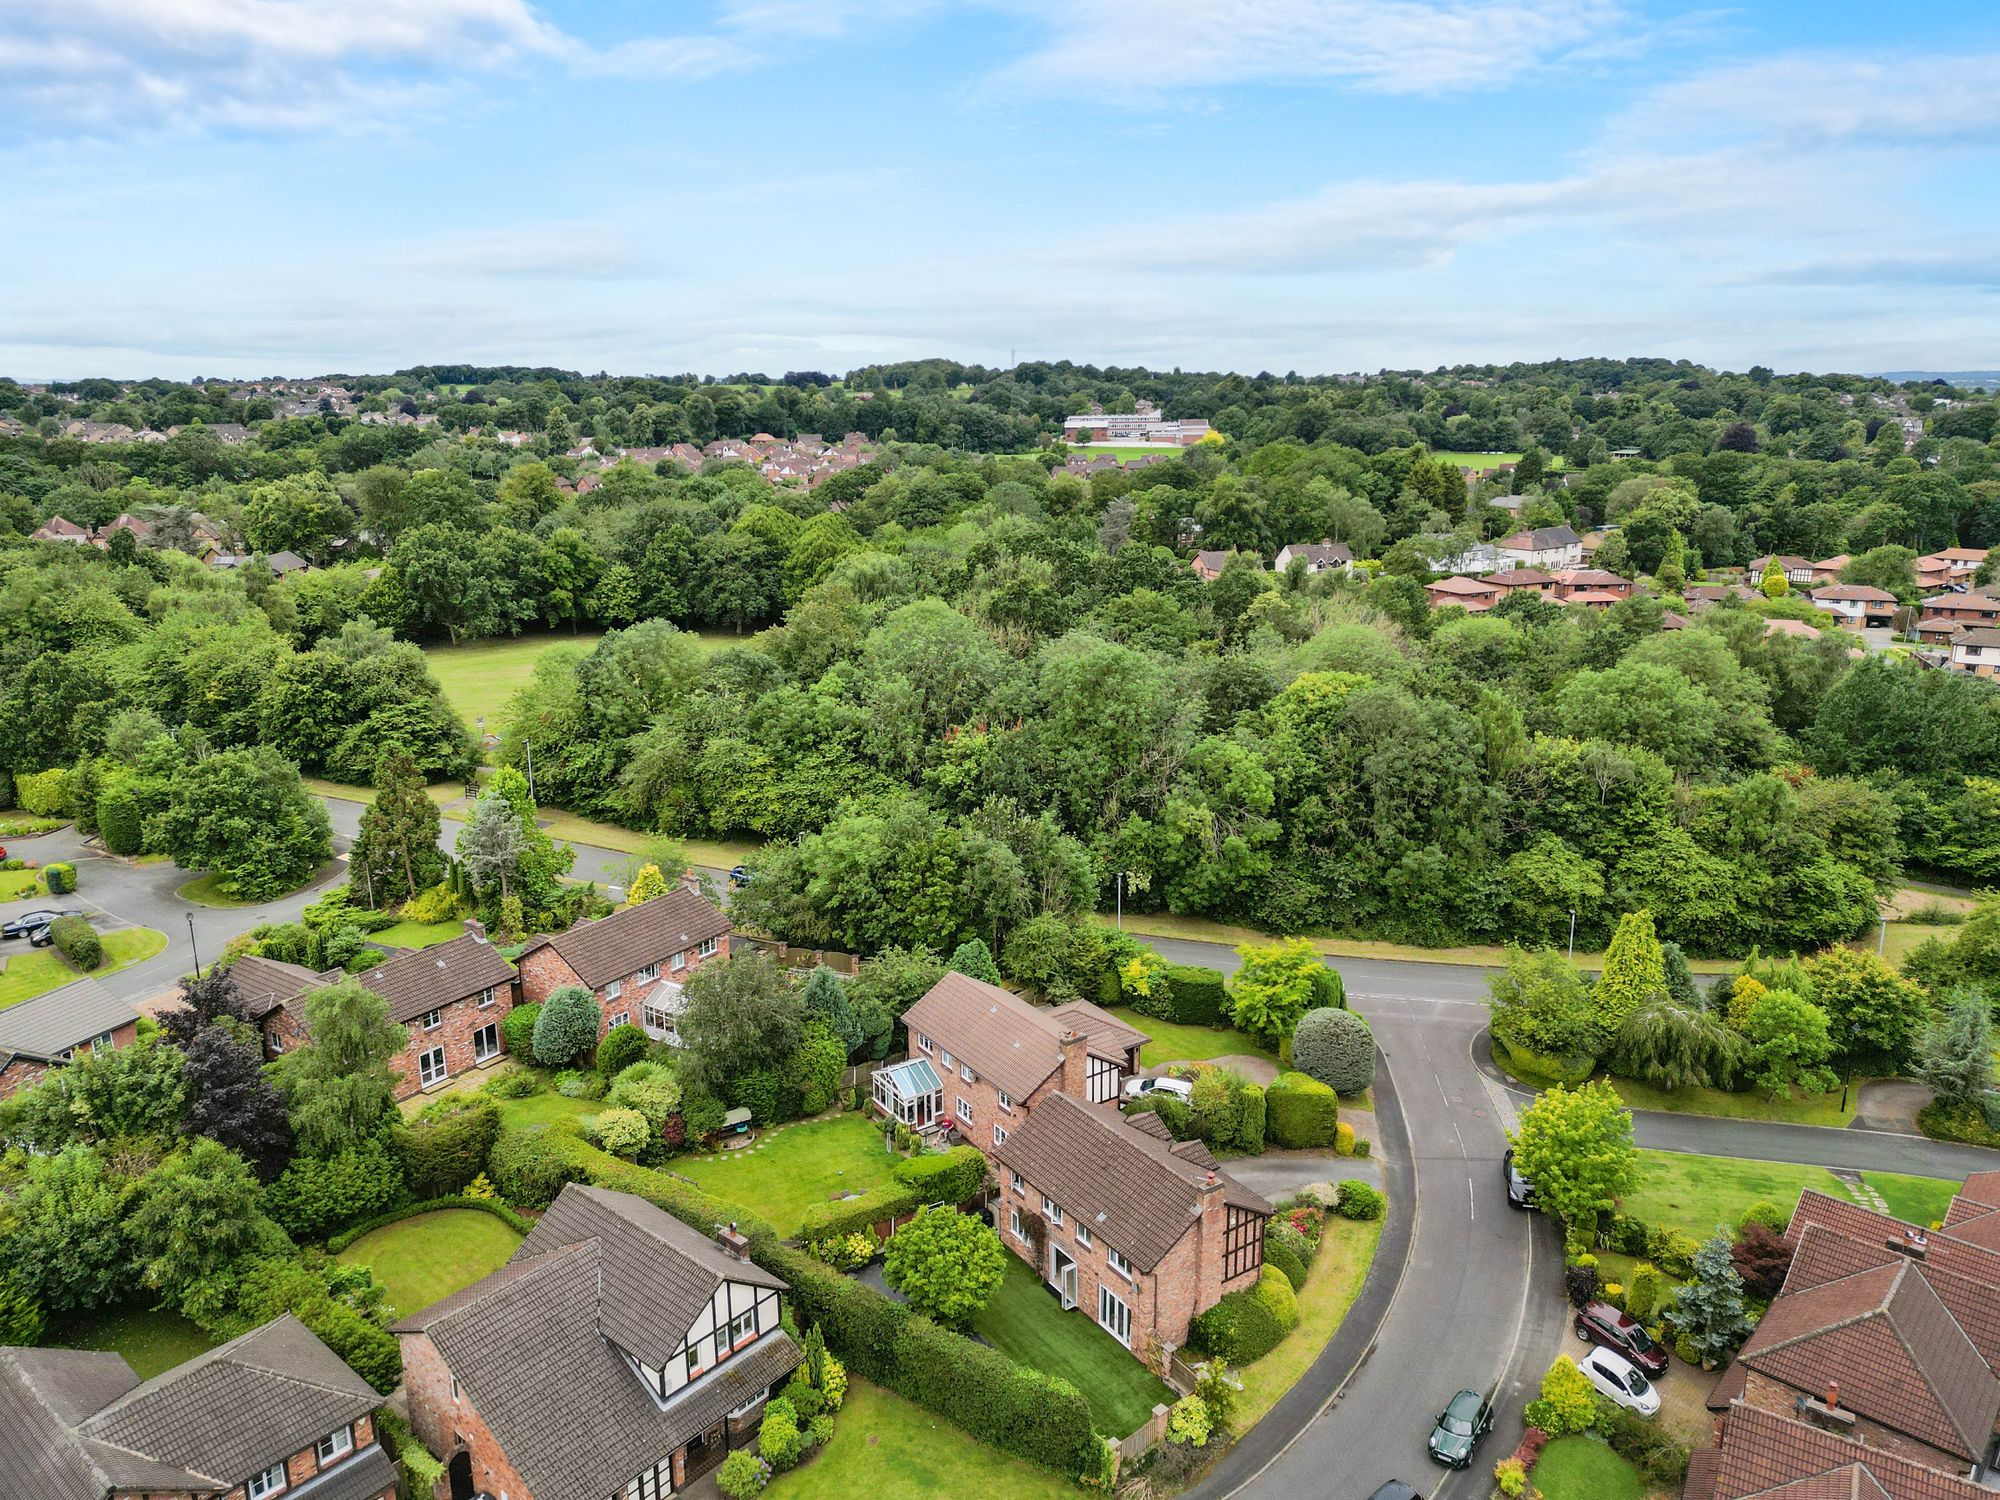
[[1471, 1205]]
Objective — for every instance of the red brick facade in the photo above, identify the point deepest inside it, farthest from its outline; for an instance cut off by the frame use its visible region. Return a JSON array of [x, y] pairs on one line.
[[446, 1423], [300, 1467], [467, 1030], [544, 971], [982, 1098], [18, 1072]]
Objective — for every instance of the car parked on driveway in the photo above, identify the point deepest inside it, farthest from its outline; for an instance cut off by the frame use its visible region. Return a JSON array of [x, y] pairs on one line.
[[1601, 1323], [1459, 1427], [1520, 1191], [1617, 1377], [34, 925], [1138, 1088]]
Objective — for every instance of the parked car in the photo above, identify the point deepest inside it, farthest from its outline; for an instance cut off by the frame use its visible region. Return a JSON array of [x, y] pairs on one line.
[[1601, 1323], [34, 925], [1520, 1191], [1395, 1489], [1621, 1380], [1138, 1088], [1459, 1427], [739, 876]]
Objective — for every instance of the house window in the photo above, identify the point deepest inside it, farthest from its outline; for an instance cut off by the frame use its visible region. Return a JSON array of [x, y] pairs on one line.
[[433, 1019], [1006, 1101], [486, 997], [1014, 1223], [333, 1445], [1242, 1244], [647, 975], [486, 1042], [1114, 1315], [622, 1018], [655, 1484], [742, 1328], [693, 1360], [614, 989], [1014, 1180], [1052, 1211], [999, 1136], [965, 1072], [1118, 1262], [708, 947], [101, 1042], [964, 1110], [944, 1059], [1083, 1236], [923, 1042], [431, 1068], [679, 961], [269, 1482]]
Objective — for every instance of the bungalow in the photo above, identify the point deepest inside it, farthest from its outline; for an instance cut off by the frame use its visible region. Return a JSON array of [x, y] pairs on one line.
[[1573, 581], [1141, 1231], [634, 960], [1975, 651], [273, 1412], [50, 1029], [1476, 595], [1544, 547], [282, 563], [1855, 604], [1827, 569], [1523, 580], [1797, 569], [1939, 633], [1591, 598], [617, 1353], [1319, 556]]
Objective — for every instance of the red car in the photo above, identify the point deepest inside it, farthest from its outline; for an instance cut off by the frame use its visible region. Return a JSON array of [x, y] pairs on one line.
[[1601, 1323]]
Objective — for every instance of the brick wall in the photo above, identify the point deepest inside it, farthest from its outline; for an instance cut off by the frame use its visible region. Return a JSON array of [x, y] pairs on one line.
[[19, 1073], [457, 1025], [444, 1426], [545, 971]]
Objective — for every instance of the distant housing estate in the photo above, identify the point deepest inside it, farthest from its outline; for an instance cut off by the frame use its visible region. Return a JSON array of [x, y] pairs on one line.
[[1143, 424]]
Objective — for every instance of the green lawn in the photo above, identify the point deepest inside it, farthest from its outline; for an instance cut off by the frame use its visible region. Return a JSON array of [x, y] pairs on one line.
[[1124, 452], [479, 677], [1173, 1042], [420, 1260], [14, 884], [32, 972], [550, 1108], [886, 1448], [1025, 1321], [791, 1168], [1581, 1468], [212, 890], [417, 934], [1902, 937], [1478, 460], [1346, 1250], [1803, 1109], [1695, 1193], [150, 1341]]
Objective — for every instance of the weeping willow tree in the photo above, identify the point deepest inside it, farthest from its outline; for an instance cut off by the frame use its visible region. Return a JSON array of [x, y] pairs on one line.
[[1673, 1047]]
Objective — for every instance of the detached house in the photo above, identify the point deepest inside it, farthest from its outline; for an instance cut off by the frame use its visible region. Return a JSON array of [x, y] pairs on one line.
[[1797, 570], [618, 1355], [1855, 604], [1141, 1231], [1208, 566], [1548, 547], [57, 529], [272, 1413], [47, 1031], [1571, 582], [1476, 595], [1975, 650], [1960, 609], [633, 960], [1320, 557]]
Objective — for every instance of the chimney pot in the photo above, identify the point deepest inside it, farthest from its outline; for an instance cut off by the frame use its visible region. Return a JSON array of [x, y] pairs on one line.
[[476, 927], [1833, 1395]]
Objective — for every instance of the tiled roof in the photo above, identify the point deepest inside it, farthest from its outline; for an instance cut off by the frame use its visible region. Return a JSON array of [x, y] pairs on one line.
[[1006, 1040], [1978, 635], [50, 1024], [618, 946], [413, 983], [1459, 584], [1856, 591], [1762, 1452], [1104, 1034], [1982, 1188], [1542, 539], [267, 984], [1128, 1185]]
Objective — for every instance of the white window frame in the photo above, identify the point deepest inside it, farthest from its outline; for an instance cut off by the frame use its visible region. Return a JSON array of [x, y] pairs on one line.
[[965, 1072], [1083, 1236], [487, 996], [1006, 1101], [964, 1109], [1014, 1179], [923, 1042], [614, 989], [438, 1073], [679, 961], [433, 1019], [999, 1136], [944, 1059], [1052, 1211], [620, 1018], [100, 1043], [336, 1444], [647, 975], [482, 1051], [257, 1486], [747, 1323], [1118, 1263], [1106, 1295], [708, 947], [1014, 1223]]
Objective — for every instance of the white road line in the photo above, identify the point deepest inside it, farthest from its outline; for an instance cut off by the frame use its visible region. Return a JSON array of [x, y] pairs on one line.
[[1471, 1204]]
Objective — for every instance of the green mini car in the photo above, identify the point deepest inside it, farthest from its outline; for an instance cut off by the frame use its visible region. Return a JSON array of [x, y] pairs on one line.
[[1460, 1426]]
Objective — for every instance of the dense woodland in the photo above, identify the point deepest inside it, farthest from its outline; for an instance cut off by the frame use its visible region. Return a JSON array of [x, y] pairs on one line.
[[970, 691]]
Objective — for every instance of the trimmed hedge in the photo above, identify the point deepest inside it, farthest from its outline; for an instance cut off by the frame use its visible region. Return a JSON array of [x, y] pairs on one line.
[[1544, 1065], [824, 1221], [942, 1177], [60, 877], [1300, 1113], [77, 941], [1021, 1411], [1199, 995], [530, 1169], [119, 818], [1247, 1325], [339, 1242], [517, 1032], [446, 1146], [43, 793], [1337, 1048]]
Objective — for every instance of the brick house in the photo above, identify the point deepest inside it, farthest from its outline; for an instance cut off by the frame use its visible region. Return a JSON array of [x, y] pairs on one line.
[[1960, 609], [1797, 570], [617, 1354], [1208, 565], [1139, 1230], [274, 1412], [1827, 569], [634, 960], [1320, 557], [268, 988], [1975, 651], [60, 529], [1475, 595], [1523, 581], [1855, 605], [994, 1058], [1573, 581], [47, 1031], [1760, 1454]]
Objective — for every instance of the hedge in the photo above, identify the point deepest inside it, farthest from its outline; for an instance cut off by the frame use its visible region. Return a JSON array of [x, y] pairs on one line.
[[517, 1032], [824, 1221], [78, 942], [1021, 1411], [1247, 1325], [1337, 1048], [339, 1242], [446, 1146], [118, 820], [60, 877], [1300, 1113], [1356, 1199], [942, 1177], [1545, 1065], [686, 1202], [1286, 1248], [530, 1169], [1198, 995], [43, 793]]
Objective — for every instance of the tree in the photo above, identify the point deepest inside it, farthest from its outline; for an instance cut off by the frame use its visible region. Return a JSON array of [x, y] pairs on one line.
[[1566, 1404], [339, 1089], [1275, 984], [234, 1103], [739, 1017], [648, 884], [133, 1097], [974, 959], [1875, 1017], [813, 1070], [492, 845], [824, 998], [1761, 1256], [245, 816], [67, 1245], [1708, 1309], [946, 1263], [1956, 1056], [1774, 583], [195, 1213], [1789, 1043], [1540, 1002], [1336, 1047], [1672, 1046], [567, 1027], [1575, 1146], [396, 854], [1635, 972]]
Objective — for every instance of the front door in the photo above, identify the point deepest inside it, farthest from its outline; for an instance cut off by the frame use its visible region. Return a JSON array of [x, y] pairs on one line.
[[460, 1470], [1062, 1276], [704, 1453]]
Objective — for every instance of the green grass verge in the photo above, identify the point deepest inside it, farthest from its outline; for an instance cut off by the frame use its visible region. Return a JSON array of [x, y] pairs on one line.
[[886, 1448], [1582, 1468], [1346, 1251], [150, 1340], [1173, 1042], [14, 884], [1696, 1193], [794, 1167], [1902, 937], [417, 934], [212, 890], [40, 970], [1806, 1109], [1024, 1321], [1915, 1200], [420, 1260]]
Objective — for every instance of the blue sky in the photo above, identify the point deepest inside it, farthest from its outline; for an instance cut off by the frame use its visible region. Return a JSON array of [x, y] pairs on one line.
[[244, 187]]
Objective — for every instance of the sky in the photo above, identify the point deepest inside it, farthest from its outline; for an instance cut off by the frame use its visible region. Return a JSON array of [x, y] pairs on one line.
[[259, 187]]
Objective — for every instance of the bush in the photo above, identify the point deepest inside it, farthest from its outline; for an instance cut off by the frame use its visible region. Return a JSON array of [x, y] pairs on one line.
[[77, 941], [623, 1132], [819, 1430], [513, 1083], [892, 1200], [579, 1085], [1189, 1422], [1650, 1447], [1642, 1297], [1300, 1113], [1672, 1251], [845, 1252], [1198, 996], [528, 1168], [779, 1441], [1286, 1248], [1581, 1284], [438, 904], [622, 1046], [567, 1027], [1625, 1234], [43, 793], [805, 1400], [517, 1031], [446, 1146], [651, 1089], [952, 1176], [1566, 1404], [1359, 1200], [120, 820], [742, 1475], [1537, 1067], [315, 1196], [1512, 1477], [1343, 1139], [60, 877], [1337, 1048], [1247, 1325]]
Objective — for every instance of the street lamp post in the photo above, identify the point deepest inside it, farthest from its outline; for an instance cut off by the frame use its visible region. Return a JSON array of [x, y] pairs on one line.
[[1572, 937], [192, 948], [1121, 900]]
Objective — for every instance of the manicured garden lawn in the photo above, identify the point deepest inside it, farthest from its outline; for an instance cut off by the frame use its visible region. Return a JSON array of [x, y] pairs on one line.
[[417, 934], [548, 1108], [1753, 1104], [150, 1341], [1696, 1193], [419, 1260], [1025, 1321], [479, 677], [792, 1168], [35, 971], [1173, 1042], [14, 884], [886, 1448], [1346, 1251], [1581, 1468]]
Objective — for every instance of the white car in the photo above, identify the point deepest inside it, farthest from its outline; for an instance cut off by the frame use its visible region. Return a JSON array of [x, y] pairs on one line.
[[1621, 1380], [1138, 1088]]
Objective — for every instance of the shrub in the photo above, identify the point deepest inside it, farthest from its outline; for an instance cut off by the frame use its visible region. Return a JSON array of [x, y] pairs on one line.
[[742, 1475], [822, 1221], [1198, 995], [528, 1168], [1343, 1139], [1672, 1250], [513, 1083], [1566, 1404], [952, 1176], [1625, 1234], [779, 1441], [1286, 1248], [1337, 1048], [438, 904], [1252, 1118], [1766, 1213], [1360, 1200], [1247, 1325], [819, 1430], [446, 1146], [623, 1132], [1189, 1422], [804, 1399], [517, 1031], [119, 820], [1642, 1297], [947, 1263], [1761, 1257], [567, 1026], [622, 1046], [844, 1252], [481, 1190], [21, 1319], [1649, 1446], [43, 793], [1300, 1113], [1536, 1067], [77, 941], [1512, 1477], [60, 876], [315, 1196], [576, 1084], [1581, 1284]]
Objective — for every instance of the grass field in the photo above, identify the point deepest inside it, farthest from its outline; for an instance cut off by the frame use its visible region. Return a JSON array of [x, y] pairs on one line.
[[32, 972], [1696, 1193], [209, 890], [150, 1341], [1172, 1042], [419, 1260], [1024, 1320], [14, 884], [1582, 1468], [790, 1169], [1122, 452], [479, 677], [887, 1448], [417, 934], [1902, 937], [1345, 1253], [1754, 1104]]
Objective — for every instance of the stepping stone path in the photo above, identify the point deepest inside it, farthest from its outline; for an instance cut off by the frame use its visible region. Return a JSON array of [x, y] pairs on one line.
[[1859, 1190]]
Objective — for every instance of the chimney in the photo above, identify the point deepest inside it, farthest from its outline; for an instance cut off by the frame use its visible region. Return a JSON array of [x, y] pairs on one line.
[[1833, 1395], [691, 881], [1075, 1079], [1912, 1242], [476, 927], [732, 1243]]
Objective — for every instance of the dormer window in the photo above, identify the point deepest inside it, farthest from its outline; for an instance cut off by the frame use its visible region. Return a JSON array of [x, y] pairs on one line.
[[334, 1445], [270, 1482]]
